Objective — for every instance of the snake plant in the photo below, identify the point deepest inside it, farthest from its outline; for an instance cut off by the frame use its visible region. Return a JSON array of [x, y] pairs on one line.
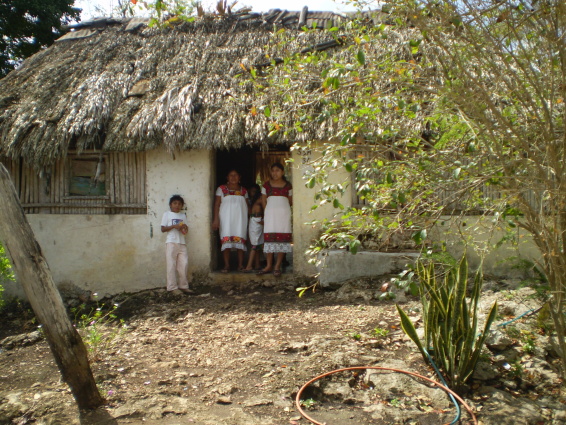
[[451, 337]]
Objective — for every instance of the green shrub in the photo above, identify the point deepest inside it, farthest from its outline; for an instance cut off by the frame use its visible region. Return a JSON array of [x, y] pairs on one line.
[[6, 273], [98, 327], [450, 321]]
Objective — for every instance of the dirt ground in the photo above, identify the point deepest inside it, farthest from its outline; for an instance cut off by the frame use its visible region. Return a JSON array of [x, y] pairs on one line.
[[234, 354]]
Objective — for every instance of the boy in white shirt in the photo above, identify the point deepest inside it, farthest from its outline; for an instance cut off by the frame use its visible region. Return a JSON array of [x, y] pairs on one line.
[[177, 259]]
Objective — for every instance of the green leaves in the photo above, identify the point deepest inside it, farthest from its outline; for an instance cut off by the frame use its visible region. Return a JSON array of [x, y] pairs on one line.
[[354, 246], [414, 45], [419, 236], [6, 272], [361, 57], [29, 26], [331, 82], [410, 330]]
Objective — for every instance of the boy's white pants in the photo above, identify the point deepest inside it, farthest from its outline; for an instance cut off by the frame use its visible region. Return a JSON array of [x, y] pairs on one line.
[[177, 261]]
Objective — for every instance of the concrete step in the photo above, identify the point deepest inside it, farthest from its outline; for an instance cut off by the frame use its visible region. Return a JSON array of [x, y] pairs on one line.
[[219, 278]]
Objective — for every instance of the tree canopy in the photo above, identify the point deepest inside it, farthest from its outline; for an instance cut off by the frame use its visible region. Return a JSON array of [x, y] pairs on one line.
[[467, 118], [28, 25]]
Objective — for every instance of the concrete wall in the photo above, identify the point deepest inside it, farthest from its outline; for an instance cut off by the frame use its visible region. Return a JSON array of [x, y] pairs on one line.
[[191, 176], [303, 200], [475, 236], [497, 262], [340, 265], [109, 254], [481, 248]]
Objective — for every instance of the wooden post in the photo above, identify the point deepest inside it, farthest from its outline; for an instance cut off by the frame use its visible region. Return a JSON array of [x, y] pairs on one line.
[[303, 17], [34, 275]]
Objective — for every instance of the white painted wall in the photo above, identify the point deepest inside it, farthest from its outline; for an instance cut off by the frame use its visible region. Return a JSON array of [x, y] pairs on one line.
[[191, 176], [109, 254], [303, 200], [498, 262]]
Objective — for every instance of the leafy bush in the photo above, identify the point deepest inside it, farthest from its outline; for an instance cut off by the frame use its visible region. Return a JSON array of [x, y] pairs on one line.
[[451, 337], [407, 280], [98, 327], [6, 272]]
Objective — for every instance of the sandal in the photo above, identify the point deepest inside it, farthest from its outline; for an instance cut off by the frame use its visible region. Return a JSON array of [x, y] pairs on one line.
[[260, 272], [224, 271], [247, 271], [276, 273]]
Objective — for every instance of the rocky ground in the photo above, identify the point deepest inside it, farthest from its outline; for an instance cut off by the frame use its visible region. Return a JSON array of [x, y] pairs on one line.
[[239, 353]]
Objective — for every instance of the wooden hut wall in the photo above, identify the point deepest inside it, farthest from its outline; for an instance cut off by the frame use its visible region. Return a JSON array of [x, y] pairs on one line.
[[47, 191]]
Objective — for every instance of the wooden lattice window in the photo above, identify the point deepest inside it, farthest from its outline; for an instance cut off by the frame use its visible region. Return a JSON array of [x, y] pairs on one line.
[[87, 176], [86, 183]]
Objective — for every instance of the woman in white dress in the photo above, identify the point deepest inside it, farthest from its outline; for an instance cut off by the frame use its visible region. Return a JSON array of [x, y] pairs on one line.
[[277, 198], [231, 218]]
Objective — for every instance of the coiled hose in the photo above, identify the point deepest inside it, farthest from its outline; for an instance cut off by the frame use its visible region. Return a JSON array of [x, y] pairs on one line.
[[442, 387]]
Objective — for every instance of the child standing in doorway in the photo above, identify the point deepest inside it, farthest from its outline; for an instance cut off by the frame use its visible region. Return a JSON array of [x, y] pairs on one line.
[[174, 224], [255, 228]]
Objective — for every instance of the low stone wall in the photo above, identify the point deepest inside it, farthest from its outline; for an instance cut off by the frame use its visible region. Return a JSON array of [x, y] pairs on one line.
[[339, 265]]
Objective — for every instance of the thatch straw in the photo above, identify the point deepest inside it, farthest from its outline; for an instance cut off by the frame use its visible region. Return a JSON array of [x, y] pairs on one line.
[[137, 89]]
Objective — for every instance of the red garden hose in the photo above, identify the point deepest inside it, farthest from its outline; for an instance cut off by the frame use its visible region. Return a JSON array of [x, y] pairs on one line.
[[442, 387]]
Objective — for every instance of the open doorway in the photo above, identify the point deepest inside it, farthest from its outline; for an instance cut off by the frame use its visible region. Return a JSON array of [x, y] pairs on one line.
[[253, 166]]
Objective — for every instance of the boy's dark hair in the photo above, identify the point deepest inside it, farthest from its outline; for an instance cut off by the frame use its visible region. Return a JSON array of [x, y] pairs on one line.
[[257, 194], [176, 198]]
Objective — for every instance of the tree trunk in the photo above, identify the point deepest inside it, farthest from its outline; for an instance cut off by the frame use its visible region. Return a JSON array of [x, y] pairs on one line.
[[34, 275]]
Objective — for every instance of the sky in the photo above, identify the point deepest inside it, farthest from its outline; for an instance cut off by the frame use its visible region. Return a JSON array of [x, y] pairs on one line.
[[93, 8]]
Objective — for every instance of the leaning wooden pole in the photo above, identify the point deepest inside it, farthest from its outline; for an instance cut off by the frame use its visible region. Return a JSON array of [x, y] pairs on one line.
[[33, 273]]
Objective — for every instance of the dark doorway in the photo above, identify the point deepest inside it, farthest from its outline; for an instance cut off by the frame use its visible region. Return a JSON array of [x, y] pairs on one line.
[[243, 160], [251, 164]]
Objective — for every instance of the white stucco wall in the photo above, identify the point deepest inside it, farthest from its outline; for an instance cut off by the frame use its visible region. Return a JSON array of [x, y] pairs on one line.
[[191, 176], [497, 262], [476, 236], [303, 200], [109, 254]]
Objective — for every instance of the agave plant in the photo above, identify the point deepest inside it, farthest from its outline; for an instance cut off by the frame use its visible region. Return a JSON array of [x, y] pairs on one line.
[[451, 337]]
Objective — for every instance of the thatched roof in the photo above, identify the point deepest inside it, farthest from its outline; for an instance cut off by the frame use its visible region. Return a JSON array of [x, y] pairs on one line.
[[121, 85]]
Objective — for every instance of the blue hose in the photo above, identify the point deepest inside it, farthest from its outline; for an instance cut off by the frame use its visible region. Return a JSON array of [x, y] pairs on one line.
[[458, 411]]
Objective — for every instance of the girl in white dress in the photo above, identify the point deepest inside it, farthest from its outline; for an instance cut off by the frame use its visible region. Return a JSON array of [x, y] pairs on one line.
[[277, 199], [231, 218]]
